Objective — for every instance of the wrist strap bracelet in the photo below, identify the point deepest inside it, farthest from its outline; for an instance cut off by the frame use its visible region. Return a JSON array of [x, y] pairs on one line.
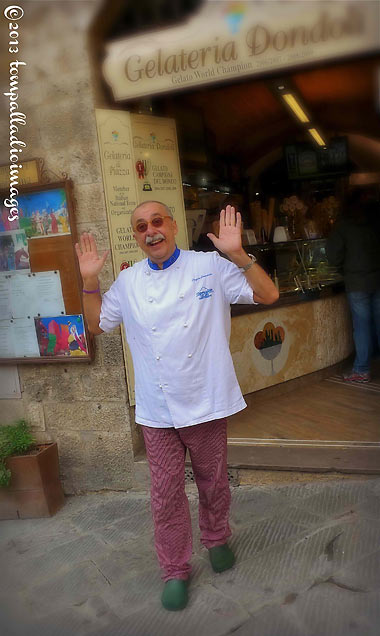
[[249, 265], [94, 291]]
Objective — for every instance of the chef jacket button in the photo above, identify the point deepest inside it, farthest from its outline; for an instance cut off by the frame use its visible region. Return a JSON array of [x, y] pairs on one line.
[[150, 300], [154, 328], [158, 357], [189, 355], [160, 386], [185, 324], [181, 296]]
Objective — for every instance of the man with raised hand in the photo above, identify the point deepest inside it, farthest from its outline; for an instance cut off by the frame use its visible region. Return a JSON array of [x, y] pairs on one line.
[[175, 307]]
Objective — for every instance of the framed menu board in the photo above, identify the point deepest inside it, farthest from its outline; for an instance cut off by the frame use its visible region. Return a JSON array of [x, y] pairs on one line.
[[41, 311]]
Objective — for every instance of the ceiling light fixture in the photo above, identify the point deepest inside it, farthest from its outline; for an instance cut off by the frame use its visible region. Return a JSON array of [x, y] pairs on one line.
[[296, 108], [315, 134]]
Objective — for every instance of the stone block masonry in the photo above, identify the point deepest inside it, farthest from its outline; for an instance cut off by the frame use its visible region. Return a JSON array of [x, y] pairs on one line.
[[84, 407]]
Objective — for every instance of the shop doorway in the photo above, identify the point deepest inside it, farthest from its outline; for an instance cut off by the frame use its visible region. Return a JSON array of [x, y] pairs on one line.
[[232, 138], [232, 141]]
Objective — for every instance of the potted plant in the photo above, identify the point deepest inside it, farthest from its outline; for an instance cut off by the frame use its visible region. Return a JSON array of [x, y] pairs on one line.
[[29, 475]]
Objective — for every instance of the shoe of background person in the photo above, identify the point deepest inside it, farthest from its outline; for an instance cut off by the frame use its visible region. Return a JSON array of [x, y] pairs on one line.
[[222, 558], [175, 596], [362, 378]]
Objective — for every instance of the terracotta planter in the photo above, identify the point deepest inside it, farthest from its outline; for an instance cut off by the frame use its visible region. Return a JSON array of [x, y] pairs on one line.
[[35, 489]]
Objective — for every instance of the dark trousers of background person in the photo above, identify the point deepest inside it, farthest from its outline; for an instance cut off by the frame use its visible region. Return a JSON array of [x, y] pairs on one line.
[[365, 311]]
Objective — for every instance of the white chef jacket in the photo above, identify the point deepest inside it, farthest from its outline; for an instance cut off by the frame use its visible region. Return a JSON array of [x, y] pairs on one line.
[[177, 323]]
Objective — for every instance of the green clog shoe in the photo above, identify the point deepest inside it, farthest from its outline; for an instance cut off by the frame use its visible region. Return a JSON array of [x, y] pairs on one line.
[[175, 595], [222, 558]]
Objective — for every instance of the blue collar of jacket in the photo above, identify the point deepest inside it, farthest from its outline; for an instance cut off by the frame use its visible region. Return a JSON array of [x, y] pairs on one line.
[[167, 263]]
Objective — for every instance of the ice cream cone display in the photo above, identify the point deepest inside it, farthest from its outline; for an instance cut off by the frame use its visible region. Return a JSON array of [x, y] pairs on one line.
[[269, 342], [327, 213], [295, 209]]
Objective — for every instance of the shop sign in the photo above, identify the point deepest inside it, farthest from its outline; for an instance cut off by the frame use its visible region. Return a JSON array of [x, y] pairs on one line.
[[140, 162], [226, 40], [28, 174], [116, 154]]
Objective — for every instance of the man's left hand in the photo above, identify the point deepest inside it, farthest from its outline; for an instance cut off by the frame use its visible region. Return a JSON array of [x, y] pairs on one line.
[[229, 241]]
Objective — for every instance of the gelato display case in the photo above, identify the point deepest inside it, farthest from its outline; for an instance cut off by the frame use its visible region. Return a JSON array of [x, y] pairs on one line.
[[297, 267]]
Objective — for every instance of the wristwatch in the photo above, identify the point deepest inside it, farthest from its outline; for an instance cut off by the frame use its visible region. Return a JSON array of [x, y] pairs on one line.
[[249, 265]]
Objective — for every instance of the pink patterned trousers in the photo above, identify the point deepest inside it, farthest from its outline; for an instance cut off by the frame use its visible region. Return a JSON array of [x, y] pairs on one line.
[[166, 450]]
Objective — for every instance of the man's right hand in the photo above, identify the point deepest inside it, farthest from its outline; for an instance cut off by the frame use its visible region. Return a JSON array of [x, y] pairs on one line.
[[90, 263]]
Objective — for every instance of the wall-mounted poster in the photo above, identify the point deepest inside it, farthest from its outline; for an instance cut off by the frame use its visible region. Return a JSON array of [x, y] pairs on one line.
[[14, 253], [41, 310], [61, 336], [5, 224], [18, 338], [44, 212], [35, 295], [140, 162]]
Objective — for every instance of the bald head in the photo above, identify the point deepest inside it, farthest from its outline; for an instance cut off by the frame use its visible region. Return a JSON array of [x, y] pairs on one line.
[[146, 205], [154, 230]]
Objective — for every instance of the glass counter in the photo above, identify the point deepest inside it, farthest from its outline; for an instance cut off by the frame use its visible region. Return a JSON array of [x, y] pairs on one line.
[[299, 266]]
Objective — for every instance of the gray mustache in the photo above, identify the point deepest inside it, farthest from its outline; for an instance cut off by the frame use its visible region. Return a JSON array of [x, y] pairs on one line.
[[150, 239]]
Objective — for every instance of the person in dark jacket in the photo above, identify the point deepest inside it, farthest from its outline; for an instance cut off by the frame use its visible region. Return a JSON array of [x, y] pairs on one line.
[[354, 247]]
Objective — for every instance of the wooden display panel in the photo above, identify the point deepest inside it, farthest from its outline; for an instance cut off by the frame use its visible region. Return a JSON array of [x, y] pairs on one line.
[[47, 222], [52, 253]]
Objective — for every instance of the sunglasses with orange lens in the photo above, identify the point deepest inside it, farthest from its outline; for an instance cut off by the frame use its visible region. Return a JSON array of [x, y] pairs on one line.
[[156, 222]]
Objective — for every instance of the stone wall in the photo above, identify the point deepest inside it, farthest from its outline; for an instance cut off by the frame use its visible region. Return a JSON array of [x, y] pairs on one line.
[[84, 407]]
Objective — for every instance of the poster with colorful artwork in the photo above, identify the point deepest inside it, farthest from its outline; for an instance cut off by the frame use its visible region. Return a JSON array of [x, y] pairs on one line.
[[41, 213], [61, 336], [14, 253], [5, 224]]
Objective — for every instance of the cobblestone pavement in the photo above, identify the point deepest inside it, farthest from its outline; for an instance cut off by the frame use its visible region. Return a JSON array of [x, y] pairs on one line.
[[308, 564]]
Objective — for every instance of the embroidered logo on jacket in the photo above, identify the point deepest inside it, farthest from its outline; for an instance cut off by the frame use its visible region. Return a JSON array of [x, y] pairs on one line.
[[204, 293]]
